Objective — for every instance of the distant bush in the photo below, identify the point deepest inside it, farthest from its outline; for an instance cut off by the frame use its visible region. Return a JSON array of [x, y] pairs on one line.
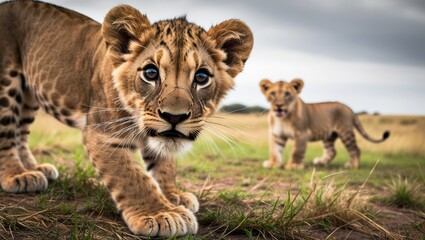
[[241, 108], [362, 113], [408, 121]]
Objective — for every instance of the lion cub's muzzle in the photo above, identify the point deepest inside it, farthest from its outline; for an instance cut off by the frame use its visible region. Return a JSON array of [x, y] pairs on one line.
[[174, 120], [280, 111]]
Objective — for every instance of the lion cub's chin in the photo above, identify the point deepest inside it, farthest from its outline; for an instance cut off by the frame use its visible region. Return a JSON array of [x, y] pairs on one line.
[[164, 146]]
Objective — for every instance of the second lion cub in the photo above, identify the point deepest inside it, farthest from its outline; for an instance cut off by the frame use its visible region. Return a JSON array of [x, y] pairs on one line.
[[290, 118]]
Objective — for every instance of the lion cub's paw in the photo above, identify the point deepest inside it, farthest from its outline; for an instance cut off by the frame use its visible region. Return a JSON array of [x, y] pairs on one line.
[[270, 164], [353, 165], [48, 170], [290, 166], [190, 201], [177, 221], [186, 199], [30, 181], [318, 162]]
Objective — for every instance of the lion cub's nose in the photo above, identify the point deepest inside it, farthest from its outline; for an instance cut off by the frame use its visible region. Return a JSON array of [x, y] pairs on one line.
[[173, 119]]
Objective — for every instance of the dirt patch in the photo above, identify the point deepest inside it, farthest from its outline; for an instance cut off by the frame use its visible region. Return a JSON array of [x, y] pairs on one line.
[[29, 216], [404, 223]]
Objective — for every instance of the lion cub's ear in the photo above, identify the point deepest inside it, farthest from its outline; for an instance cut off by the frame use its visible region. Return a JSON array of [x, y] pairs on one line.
[[265, 85], [298, 84], [122, 25], [235, 38]]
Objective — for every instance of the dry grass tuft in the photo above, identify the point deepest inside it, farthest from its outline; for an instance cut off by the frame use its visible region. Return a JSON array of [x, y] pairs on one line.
[[330, 206], [322, 205], [405, 193]]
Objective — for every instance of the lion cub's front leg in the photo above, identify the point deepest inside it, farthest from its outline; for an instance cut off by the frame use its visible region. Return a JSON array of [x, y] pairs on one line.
[[144, 207], [297, 158], [276, 147], [163, 169]]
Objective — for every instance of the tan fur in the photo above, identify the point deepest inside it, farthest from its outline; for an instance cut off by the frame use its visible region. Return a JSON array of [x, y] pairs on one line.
[[94, 77], [290, 118]]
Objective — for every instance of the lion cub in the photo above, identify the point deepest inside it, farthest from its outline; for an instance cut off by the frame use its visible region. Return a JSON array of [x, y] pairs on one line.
[[130, 85], [290, 117]]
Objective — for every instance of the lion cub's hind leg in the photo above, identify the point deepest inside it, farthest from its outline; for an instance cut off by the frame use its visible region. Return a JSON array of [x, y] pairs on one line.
[[29, 110], [349, 141], [14, 177]]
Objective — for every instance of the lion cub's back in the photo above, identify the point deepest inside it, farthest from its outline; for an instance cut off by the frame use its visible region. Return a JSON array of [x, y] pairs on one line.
[[333, 114], [53, 48]]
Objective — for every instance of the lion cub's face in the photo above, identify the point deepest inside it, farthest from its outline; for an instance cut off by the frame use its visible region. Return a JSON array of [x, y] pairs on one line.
[[172, 74], [282, 95]]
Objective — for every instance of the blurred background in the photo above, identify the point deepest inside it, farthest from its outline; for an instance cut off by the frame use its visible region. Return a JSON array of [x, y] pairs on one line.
[[369, 55]]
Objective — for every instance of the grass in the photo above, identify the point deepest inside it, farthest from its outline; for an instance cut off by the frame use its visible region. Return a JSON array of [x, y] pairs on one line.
[[321, 205], [235, 213], [239, 199], [405, 193]]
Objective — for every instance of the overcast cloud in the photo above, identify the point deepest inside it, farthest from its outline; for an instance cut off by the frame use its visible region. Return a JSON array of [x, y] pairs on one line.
[[367, 54]]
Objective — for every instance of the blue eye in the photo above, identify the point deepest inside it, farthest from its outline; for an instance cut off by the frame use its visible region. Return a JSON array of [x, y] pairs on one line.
[[151, 73], [202, 77]]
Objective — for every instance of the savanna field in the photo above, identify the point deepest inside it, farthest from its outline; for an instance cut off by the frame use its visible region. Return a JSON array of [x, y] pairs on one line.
[[384, 199]]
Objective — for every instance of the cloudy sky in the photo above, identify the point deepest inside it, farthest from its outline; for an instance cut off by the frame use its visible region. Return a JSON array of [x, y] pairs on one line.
[[367, 54]]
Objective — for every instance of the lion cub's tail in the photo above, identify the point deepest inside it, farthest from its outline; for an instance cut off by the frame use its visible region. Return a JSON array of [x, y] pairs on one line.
[[361, 130]]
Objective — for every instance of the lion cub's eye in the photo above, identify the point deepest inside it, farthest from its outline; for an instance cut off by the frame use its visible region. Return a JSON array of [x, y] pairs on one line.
[[150, 73], [202, 77]]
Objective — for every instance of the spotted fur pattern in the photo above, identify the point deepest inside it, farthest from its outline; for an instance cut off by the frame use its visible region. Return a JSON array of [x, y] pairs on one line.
[[290, 118], [93, 77]]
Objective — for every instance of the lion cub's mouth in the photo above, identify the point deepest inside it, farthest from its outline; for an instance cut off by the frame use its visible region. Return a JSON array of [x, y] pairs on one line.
[[172, 133], [281, 112]]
